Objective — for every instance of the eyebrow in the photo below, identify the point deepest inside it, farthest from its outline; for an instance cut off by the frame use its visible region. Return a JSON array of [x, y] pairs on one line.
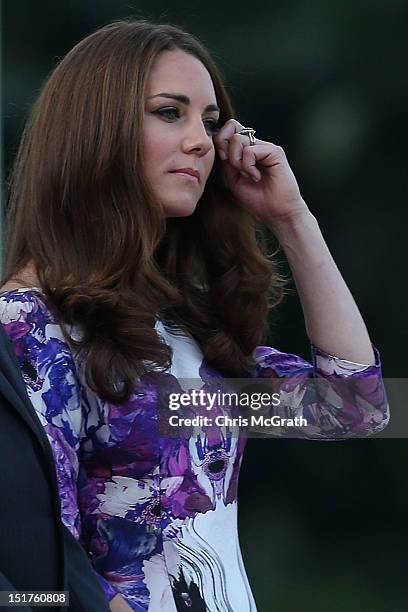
[[184, 100]]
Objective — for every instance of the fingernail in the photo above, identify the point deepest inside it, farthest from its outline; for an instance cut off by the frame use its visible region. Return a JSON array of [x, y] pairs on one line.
[[222, 154]]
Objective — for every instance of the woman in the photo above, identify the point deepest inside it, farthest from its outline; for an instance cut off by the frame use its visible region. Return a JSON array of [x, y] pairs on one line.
[[133, 258]]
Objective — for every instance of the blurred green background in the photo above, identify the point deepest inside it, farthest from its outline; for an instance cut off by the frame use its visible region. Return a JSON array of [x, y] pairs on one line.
[[323, 526]]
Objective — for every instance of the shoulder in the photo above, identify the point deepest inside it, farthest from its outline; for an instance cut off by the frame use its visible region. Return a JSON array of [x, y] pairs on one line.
[[38, 340], [45, 359], [23, 308]]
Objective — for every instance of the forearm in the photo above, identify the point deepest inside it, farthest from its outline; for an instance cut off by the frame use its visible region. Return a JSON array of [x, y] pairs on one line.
[[332, 319]]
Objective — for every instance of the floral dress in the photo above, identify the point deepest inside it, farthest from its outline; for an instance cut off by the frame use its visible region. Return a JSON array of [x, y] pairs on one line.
[[158, 515]]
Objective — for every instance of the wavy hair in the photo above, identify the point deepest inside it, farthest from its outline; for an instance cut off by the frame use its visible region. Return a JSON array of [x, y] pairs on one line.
[[107, 259]]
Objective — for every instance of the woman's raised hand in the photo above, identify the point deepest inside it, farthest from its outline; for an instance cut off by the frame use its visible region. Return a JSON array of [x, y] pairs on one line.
[[259, 175]]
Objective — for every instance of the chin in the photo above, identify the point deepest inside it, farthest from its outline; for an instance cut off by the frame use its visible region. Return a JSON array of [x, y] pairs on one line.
[[178, 210]]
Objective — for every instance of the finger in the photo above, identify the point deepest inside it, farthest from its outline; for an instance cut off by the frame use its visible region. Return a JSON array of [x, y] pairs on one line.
[[242, 155], [249, 159], [221, 139], [236, 146], [255, 156], [263, 154]]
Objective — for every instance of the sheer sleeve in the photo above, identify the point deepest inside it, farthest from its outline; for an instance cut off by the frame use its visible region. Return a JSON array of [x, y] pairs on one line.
[[337, 398], [49, 373]]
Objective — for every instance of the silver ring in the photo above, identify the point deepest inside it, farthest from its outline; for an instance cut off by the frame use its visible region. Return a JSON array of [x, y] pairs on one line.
[[250, 133]]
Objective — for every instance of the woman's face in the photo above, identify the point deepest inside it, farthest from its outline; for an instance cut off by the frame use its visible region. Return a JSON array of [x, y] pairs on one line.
[[178, 133]]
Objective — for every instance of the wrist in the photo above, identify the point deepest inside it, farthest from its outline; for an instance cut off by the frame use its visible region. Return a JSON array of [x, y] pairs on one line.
[[293, 223]]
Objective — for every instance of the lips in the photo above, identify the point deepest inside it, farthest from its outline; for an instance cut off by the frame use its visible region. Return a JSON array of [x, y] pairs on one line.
[[190, 171]]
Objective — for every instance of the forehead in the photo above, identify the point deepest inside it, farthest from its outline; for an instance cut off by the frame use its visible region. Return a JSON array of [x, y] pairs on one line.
[[179, 71]]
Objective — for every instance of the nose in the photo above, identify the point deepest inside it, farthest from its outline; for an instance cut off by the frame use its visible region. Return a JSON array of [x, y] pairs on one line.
[[197, 139]]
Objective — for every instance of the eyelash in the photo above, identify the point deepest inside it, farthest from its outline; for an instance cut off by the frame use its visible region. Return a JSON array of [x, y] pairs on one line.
[[214, 126]]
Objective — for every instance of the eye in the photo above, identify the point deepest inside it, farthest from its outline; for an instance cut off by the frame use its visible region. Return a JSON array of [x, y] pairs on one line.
[[165, 112], [213, 126]]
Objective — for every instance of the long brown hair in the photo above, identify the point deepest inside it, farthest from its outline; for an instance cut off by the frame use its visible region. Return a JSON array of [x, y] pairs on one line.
[[106, 258]]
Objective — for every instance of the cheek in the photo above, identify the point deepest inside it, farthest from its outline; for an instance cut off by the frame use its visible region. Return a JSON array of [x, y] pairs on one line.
[[157, 146], [209, 161], [152, 151]]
